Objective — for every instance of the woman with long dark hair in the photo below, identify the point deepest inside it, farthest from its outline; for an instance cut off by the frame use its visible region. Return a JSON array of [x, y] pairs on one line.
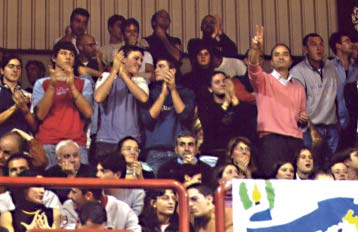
[[29, 212], [159, 213]]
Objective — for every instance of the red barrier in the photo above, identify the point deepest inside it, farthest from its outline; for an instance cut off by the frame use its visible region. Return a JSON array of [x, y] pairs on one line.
[[109, 183], [220, 208], [86, 230]]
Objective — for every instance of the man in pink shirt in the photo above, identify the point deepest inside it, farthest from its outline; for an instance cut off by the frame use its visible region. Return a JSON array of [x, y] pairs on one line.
[[281, 104]]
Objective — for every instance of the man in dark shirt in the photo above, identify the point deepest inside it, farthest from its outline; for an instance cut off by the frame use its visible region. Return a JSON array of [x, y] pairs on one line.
[[186, 149], [214, 37], [160, 43], [68, 165], [221, 115]]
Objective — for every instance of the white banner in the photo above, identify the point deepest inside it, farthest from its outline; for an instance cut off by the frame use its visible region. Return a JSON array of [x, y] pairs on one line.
[[295, 206]]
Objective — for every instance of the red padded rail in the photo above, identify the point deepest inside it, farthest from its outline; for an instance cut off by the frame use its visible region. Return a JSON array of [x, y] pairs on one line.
[[220, 208]]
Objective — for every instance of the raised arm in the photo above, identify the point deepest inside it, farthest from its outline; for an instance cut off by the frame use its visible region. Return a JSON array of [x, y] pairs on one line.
[[178, 103], [21, 102], [82, 104], [155, 109], [173, 51], [256, 46], [44, 105]]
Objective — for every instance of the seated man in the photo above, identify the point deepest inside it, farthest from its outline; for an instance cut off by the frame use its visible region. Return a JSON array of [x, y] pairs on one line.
[[18, 141], [35, 70], [119, 214], [114, 167], [69, 164], [202, 209], [183, 166], [92, 216], [14, 166]]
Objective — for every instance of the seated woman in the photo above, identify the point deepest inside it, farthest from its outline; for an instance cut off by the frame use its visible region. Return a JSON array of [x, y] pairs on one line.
[[29, 212], [159, 213], [129, 148], [284, 170], [241, 153], [227, 172]]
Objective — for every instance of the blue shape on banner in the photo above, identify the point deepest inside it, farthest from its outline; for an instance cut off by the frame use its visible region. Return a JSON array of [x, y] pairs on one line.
[[261, 216], [329, 213]]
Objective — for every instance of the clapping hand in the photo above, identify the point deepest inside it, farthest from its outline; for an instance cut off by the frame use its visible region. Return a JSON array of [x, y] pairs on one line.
[[39, 221], [169, 78], [118, 63], [21, 101]]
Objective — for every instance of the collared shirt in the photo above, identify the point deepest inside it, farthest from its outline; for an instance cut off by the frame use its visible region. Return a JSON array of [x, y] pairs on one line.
[[17, 119], [280, 78], [321, 89], [342, 81]]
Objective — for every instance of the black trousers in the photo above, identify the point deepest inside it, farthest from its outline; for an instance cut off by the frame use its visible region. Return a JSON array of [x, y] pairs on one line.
[[275, 148]]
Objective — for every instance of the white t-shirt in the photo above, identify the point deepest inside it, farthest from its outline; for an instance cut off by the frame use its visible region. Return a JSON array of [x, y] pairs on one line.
[[232, 67], [140, 81], [50, 200]]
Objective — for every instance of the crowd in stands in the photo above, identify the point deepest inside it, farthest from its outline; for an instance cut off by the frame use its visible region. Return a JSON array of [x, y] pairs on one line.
[[142, 108]]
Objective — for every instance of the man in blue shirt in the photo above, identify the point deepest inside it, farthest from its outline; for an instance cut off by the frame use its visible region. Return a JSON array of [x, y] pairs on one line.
[[347, 94], [169, 110]]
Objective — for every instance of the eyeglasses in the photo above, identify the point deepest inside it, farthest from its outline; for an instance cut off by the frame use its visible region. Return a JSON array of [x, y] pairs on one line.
[[131, 149], [12, 66], [243, 149]]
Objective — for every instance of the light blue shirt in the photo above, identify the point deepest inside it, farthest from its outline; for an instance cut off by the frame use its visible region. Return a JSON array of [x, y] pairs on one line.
[[342, 81]]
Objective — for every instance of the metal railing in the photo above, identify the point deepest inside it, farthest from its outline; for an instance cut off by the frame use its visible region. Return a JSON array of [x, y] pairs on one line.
[[220, 208], [108, 183]]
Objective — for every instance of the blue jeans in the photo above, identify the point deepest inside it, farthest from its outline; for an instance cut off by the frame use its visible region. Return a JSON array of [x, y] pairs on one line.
[[50, 150], [330, 137], [156, 158]]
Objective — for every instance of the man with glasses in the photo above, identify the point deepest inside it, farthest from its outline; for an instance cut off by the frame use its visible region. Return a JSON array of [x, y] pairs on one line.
[[90, 59], [186, 167]]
